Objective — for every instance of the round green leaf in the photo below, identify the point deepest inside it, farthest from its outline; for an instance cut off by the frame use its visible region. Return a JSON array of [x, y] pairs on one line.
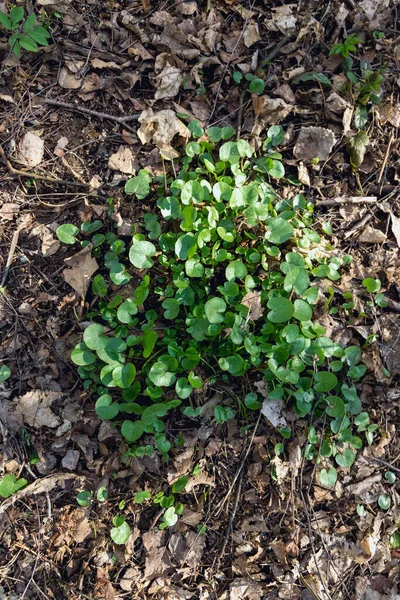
[[126, 310], [324, 381], [185, 246], [214, 309], [160, 376], [335, 406], [170, 517], [120, 535], [384, 501], [257, 86], [132, 430], [99, 286], [282, 310], [302, 310], [297, 279], [124, 375], [83, 498], [328, 478], [192, 192], [93, 338], [140, 497], [346, 459], [183, 388], [140, 253], [229, 152], [139, 185], [235, 270], [106, 408], [82, 356], [390, 477], [66, 233], [180, 485], [279, 230], [235, 364], [171, 307]]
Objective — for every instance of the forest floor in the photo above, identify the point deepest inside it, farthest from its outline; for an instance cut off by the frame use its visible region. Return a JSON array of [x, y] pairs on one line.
[[256, 524]]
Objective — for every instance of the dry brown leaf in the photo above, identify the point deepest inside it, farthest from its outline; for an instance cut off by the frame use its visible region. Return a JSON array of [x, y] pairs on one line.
[[168, 78], [80, 525], [279, 549], [283, 18], [49, 244], [91, 83], [372, 7], [389, 325], [314, 142], [395, 222], [168, 82], [272, 409], [370, 235], [9, 210], [285, 91], [34, 408], [161, 128], [31, 150], [251, 34], [62, 143], [82, 267], [268, 111], [97, 63], [368, 548], [253, 302], [157, 559], [281, 469], [302, 174], [122, 160], [69, 78]]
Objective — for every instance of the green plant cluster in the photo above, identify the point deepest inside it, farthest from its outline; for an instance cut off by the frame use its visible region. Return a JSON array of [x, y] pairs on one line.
[[221, 285], [363, 81], [26, 34]]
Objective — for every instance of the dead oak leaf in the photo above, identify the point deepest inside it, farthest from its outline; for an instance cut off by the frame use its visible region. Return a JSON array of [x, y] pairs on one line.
[[122, 161], [31, 150], [161, 128], [314, 142], [253, 302], [395, 221], [251, 34], [83, 266], [268, 111], [34, 408]]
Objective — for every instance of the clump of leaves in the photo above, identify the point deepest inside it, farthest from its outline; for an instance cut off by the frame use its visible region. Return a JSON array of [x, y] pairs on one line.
[[222, 285], [25, 33]]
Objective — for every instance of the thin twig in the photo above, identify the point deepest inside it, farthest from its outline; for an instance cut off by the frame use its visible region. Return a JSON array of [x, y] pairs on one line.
[[242, 463], [93, 113], [14, 243], [390, 142], [275, 50], [381, 462], [347, 200], [232, 517]]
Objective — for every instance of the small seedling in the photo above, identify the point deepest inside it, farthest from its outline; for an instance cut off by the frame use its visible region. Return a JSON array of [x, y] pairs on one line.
[[5, 373], [26, 33], [121, 531], [9, 485]]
